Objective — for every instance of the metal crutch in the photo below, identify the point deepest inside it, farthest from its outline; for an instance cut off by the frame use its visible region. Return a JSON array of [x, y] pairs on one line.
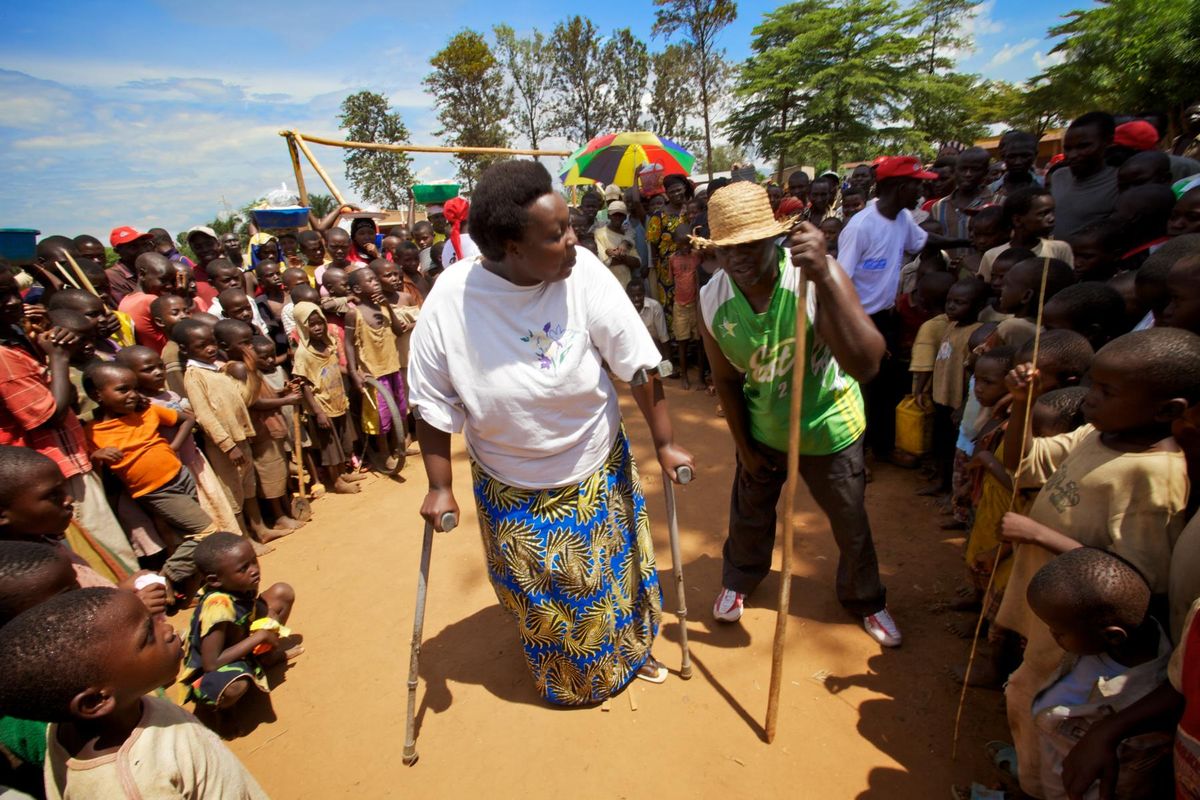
[[449, 523], [684, 474]]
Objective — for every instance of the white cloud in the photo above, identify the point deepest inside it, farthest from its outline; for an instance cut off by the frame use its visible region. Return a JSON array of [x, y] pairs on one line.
[[981, 22], [1010, 51], [1044, 61]]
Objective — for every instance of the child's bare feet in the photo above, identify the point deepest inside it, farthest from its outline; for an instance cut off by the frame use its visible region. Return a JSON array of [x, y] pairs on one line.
[[267, 535], [261, 549], [355, 477], [343, 486], [288, 522]]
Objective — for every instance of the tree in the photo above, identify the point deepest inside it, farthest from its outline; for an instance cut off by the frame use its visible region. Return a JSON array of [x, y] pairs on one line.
[[584, 100], [942, 31], [673, 96], [473, 102], [724, 156], [848, 65], [1033, 107], [944, 107], [700, 22], [320, 204], [379, 176], [1129, 55], [767, 92], [629, 62], [942, 104], [528, 65]]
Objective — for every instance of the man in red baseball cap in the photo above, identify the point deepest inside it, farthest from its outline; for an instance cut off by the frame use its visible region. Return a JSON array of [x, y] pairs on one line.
[[1140, 136], [1137, 135], [871, 249], [129, 244]]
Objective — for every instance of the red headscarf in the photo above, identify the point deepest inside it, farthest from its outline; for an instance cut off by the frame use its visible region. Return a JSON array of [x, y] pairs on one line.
[[455, 211]]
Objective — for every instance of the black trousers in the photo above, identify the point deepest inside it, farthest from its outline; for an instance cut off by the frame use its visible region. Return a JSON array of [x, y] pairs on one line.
[[838, 483], [884, 393]]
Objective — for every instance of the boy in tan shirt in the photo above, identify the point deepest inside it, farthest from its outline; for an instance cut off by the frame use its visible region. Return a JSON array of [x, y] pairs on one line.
[[1118, 483]]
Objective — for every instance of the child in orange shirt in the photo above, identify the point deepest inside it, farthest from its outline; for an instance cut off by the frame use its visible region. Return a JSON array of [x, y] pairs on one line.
[[128, 441]]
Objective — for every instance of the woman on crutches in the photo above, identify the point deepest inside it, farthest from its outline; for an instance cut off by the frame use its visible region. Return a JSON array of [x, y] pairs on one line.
[[509, 350]]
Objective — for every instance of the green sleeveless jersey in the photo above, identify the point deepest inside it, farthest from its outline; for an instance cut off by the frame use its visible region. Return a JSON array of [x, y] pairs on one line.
[[762, 347]]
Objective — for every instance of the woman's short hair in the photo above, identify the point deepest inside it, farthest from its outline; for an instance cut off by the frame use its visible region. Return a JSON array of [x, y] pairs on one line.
[[500, 204]]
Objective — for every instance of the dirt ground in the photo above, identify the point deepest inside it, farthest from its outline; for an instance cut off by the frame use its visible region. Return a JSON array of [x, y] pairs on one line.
[[856, 722]]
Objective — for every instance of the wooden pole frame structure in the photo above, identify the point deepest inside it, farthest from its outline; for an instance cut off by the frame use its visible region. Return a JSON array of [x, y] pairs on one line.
[[297, 144]]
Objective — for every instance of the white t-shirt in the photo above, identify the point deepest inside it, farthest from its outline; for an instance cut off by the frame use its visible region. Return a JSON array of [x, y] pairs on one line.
[[871, 249], [654, 319], [468, 246], [518, 369], [169, 755]]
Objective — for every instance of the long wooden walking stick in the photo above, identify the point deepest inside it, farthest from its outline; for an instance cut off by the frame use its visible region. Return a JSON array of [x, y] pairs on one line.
[[987, 593], [79, 273], [789, 506], [409, 755], [684, 474]]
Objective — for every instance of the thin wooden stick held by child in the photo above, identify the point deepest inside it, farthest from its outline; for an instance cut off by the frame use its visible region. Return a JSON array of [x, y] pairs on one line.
[[987, 593]]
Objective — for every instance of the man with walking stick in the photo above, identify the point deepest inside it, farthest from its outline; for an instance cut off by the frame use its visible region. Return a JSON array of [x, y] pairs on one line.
[[749, 311]]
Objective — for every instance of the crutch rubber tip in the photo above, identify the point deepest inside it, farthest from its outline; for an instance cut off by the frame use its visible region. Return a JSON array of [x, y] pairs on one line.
[[449, 521], [683, 474], [410, 760], [686, 672]]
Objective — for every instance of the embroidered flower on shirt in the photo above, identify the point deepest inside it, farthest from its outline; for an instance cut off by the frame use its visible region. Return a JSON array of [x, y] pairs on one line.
[[550, 344]]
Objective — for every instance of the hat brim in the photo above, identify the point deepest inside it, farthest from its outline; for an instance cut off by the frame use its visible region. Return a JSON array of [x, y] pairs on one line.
[[747, 235], [137, 238]]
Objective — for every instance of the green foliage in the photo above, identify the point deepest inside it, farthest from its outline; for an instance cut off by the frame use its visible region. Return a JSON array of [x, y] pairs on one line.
[[673, 96], [527, 64], [321, 204], [1129, 55], [699, 24], [1024, 107], [944, 107], [473, 101], [724, 156], [379, 176], [842, 66], [629, 68], [584, 101], [941, 31]]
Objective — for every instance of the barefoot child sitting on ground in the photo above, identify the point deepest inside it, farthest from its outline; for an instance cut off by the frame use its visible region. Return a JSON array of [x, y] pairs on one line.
[[227, 646], [85, 662], [130, 442]]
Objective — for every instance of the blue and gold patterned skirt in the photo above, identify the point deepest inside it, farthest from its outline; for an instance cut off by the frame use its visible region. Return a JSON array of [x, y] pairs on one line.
[[575, 567]]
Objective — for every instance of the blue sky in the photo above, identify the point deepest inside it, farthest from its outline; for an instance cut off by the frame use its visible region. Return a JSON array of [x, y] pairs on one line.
[[159, 113]]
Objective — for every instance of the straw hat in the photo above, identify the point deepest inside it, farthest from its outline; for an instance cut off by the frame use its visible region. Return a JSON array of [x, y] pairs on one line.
[[741, 213]]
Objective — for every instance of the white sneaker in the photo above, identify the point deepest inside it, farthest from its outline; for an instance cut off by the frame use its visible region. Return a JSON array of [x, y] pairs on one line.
[[882, 628], [728, 607]]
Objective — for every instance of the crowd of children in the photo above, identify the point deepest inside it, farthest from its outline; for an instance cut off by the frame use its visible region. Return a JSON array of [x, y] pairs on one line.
[[162, 421], [1063, 453], [160, 416]]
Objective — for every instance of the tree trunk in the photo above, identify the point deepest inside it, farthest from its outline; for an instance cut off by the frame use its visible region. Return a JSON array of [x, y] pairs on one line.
[[782, 147], [707, 128]]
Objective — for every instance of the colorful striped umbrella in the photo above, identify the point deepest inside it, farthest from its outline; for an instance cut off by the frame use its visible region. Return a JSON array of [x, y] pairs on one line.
[[613, 158]]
